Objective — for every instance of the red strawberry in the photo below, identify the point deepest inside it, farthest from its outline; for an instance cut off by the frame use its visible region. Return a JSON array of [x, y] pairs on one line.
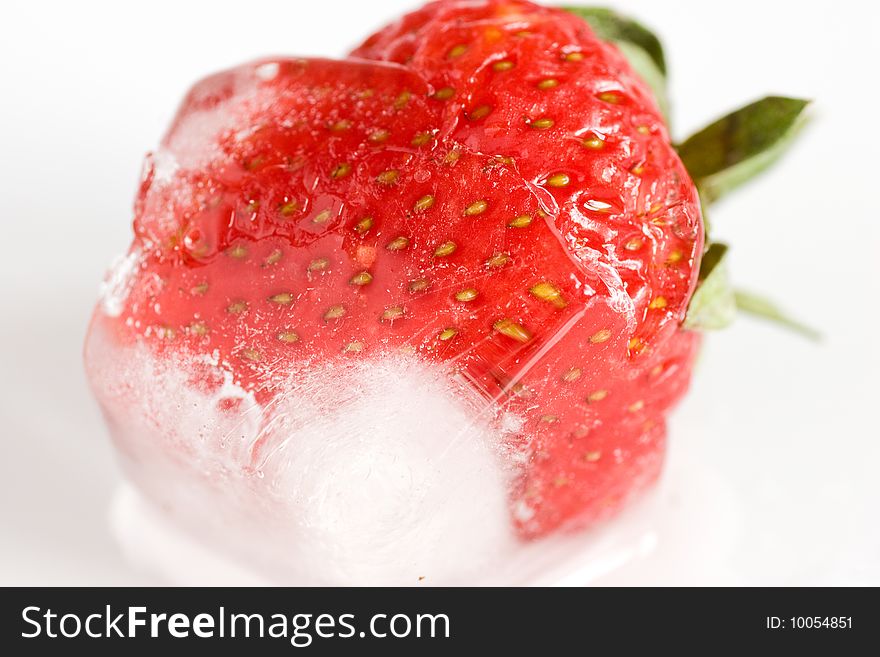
[[488, 188], [612, 356]]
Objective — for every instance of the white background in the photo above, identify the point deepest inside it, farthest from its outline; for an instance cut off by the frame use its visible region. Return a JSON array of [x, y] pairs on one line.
[[773, 469]]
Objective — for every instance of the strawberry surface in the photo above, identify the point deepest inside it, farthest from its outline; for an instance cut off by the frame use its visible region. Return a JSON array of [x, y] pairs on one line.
[[484, 187]]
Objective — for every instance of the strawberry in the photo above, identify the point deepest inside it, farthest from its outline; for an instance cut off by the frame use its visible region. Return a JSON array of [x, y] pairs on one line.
[[488, 188]]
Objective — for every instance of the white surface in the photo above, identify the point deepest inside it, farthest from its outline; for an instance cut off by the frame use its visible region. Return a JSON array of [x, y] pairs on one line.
[[772, 475]]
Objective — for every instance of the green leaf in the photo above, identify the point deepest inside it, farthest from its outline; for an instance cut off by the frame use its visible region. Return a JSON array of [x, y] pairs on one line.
[[639, 45], [611, 26], [763, 308], [713, 305], [646, 69], [737, 147]]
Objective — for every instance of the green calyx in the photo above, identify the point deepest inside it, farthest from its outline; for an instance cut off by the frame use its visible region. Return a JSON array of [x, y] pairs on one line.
[[737, 147], [758, 306], [638, 44], [720, 157], [611, 26], [713, 305]]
